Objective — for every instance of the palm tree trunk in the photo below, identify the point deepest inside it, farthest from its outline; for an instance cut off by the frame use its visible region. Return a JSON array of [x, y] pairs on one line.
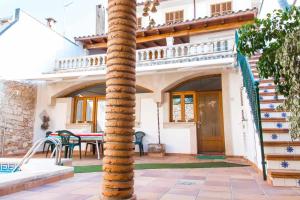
[[120, 101]]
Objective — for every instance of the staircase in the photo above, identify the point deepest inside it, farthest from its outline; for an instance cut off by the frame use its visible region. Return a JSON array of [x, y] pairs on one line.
[[281, 153]]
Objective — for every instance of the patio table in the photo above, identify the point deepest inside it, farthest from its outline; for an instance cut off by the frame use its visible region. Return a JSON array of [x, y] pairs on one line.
[[86, 137]]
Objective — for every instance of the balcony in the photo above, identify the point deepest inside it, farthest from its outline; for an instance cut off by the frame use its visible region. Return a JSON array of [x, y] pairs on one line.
[[154, 57]]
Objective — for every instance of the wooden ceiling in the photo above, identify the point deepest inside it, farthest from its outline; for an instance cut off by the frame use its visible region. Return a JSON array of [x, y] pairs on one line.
[[181, 31]]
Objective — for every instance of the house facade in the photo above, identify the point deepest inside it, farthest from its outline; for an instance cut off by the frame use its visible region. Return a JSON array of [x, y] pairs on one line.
[[188, 80], [186, 73]]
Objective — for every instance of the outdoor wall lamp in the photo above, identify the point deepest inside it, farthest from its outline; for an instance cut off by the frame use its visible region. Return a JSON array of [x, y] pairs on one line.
[[150, 7]]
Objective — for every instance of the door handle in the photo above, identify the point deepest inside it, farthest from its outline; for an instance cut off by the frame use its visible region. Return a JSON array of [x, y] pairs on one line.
[[199, 124]]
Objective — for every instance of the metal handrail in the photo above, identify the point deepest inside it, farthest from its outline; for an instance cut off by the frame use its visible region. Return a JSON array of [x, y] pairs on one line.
[[57, 152]]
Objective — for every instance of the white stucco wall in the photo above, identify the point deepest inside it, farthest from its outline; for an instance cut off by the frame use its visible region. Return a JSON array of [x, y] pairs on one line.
[[179, 137], [252, 149], [232, 114], [29, 48]]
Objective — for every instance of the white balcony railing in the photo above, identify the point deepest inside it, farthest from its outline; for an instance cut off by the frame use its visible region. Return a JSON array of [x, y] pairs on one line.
[[188, 52]]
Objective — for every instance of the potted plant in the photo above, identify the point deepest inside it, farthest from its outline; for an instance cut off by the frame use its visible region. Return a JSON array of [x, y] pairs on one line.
[[157, 150]]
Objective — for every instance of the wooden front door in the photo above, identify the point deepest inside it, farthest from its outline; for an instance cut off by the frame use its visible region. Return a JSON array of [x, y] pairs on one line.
[[210, 134]]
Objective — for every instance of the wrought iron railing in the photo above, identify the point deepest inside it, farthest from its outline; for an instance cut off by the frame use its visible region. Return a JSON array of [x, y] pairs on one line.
[[252, 88]]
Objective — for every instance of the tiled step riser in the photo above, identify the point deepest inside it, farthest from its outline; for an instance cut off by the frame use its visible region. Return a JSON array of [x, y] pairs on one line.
[[266, 90], [263, 97], [283, 164], [271, 83], [269, 105], [269, 115], [286, 150], [286, 182], [280, 125], [276, 137]]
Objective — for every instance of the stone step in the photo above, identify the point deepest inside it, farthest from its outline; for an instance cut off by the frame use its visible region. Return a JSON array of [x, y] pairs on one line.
[[267, 86], [275, 130], [270, 110], [274, 120], [280, 157], [271, 101], [262, 93], [284, 178], [271, 80]]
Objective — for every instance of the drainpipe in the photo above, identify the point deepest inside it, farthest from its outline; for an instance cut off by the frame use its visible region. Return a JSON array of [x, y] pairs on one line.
[[194, 1], [263, 159]]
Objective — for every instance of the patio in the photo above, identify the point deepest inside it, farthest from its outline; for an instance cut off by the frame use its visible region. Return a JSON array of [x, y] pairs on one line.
[[176, 184], [238, 183]]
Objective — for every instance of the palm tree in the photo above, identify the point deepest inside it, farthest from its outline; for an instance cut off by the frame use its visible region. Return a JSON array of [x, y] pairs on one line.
[[120, 101]]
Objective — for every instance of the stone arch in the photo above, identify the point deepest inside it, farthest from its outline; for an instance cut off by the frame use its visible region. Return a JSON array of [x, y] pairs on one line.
[[186, 78], [67, 90]]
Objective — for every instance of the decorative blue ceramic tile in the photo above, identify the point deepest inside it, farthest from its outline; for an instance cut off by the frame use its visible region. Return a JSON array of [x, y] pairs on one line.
[[284, 164], [267, 115], [270, 84], [279, 125], [271, 106], [274, 136], [299, 182], [7, 167], [261, 98], [290, 149], [265, 91], [283, 115]]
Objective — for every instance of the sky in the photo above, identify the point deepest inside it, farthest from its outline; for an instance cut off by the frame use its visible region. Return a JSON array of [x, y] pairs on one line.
[[68, 13], [69, 19]]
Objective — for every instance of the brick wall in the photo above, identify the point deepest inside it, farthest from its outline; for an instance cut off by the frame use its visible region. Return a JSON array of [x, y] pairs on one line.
[[17, 109]]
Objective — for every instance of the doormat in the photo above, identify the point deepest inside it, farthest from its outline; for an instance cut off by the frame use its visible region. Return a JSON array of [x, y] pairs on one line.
[[210, 157]]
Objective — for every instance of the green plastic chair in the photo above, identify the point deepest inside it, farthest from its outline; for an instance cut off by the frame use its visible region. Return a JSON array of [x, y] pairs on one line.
[[69, 145], [139, 141]]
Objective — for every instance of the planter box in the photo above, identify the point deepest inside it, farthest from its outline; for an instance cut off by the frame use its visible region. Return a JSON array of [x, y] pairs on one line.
[[156, 150]]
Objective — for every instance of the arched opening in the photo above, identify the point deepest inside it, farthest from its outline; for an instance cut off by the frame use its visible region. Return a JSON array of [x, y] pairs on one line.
[[199, 100], [89, 104]]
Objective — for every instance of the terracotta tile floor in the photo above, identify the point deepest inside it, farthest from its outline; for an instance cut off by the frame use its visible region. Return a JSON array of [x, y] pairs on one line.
[[241, 183]]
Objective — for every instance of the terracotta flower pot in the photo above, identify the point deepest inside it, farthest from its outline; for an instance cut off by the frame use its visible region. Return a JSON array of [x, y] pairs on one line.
[[156, 150]]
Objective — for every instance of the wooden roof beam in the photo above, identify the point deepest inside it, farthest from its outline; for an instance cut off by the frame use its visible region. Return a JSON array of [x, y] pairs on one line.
[[195, 31]]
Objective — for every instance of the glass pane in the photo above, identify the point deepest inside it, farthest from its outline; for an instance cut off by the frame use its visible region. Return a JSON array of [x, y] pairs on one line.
[[89, 110], [100, 115], [79, 108], [189, 107], [176, 108], [209, 115]]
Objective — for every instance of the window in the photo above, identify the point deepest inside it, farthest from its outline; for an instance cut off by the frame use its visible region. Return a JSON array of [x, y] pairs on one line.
[[172, 17], [84, 109], [90, 110], [183, 106], [139, 22], [221, 8]]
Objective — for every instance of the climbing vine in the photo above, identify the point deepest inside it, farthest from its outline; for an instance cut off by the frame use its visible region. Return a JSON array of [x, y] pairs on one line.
[[277, 39]]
